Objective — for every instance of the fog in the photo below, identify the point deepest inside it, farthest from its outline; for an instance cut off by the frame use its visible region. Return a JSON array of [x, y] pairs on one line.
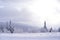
[[32, 12]]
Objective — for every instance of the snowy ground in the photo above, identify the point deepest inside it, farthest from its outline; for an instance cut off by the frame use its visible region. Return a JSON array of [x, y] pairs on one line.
[[30, 36]]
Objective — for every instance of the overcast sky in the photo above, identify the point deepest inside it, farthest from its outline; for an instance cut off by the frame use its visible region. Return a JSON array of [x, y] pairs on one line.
[[33, 12], [14, 10]]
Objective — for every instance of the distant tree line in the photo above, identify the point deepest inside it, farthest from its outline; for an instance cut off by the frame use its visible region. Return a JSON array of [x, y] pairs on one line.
[[9, 27]]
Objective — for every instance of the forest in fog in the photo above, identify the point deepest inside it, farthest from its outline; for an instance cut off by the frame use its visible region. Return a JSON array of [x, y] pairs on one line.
[[10, 27]]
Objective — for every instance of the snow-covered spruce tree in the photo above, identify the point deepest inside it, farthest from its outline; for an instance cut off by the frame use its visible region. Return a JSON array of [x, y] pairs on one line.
[[10, 28]]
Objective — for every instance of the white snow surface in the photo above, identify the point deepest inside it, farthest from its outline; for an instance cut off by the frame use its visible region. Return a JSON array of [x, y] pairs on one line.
[[30, 36]]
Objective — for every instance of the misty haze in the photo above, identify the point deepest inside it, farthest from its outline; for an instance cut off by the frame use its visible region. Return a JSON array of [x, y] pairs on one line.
[[30, 19]]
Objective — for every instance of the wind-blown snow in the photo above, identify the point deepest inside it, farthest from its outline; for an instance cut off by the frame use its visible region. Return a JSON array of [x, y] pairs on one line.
[[30, 36]]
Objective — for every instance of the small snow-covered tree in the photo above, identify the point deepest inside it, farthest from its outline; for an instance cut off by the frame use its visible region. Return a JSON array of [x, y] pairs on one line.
[[50, 29], [2, 28], [59, 30]]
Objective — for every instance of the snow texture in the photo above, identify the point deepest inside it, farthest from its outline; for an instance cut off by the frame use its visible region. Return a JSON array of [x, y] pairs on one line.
[[30, 36]]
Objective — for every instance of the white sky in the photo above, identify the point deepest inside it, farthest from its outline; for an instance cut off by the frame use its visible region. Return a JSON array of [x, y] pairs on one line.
[[48, 10]]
